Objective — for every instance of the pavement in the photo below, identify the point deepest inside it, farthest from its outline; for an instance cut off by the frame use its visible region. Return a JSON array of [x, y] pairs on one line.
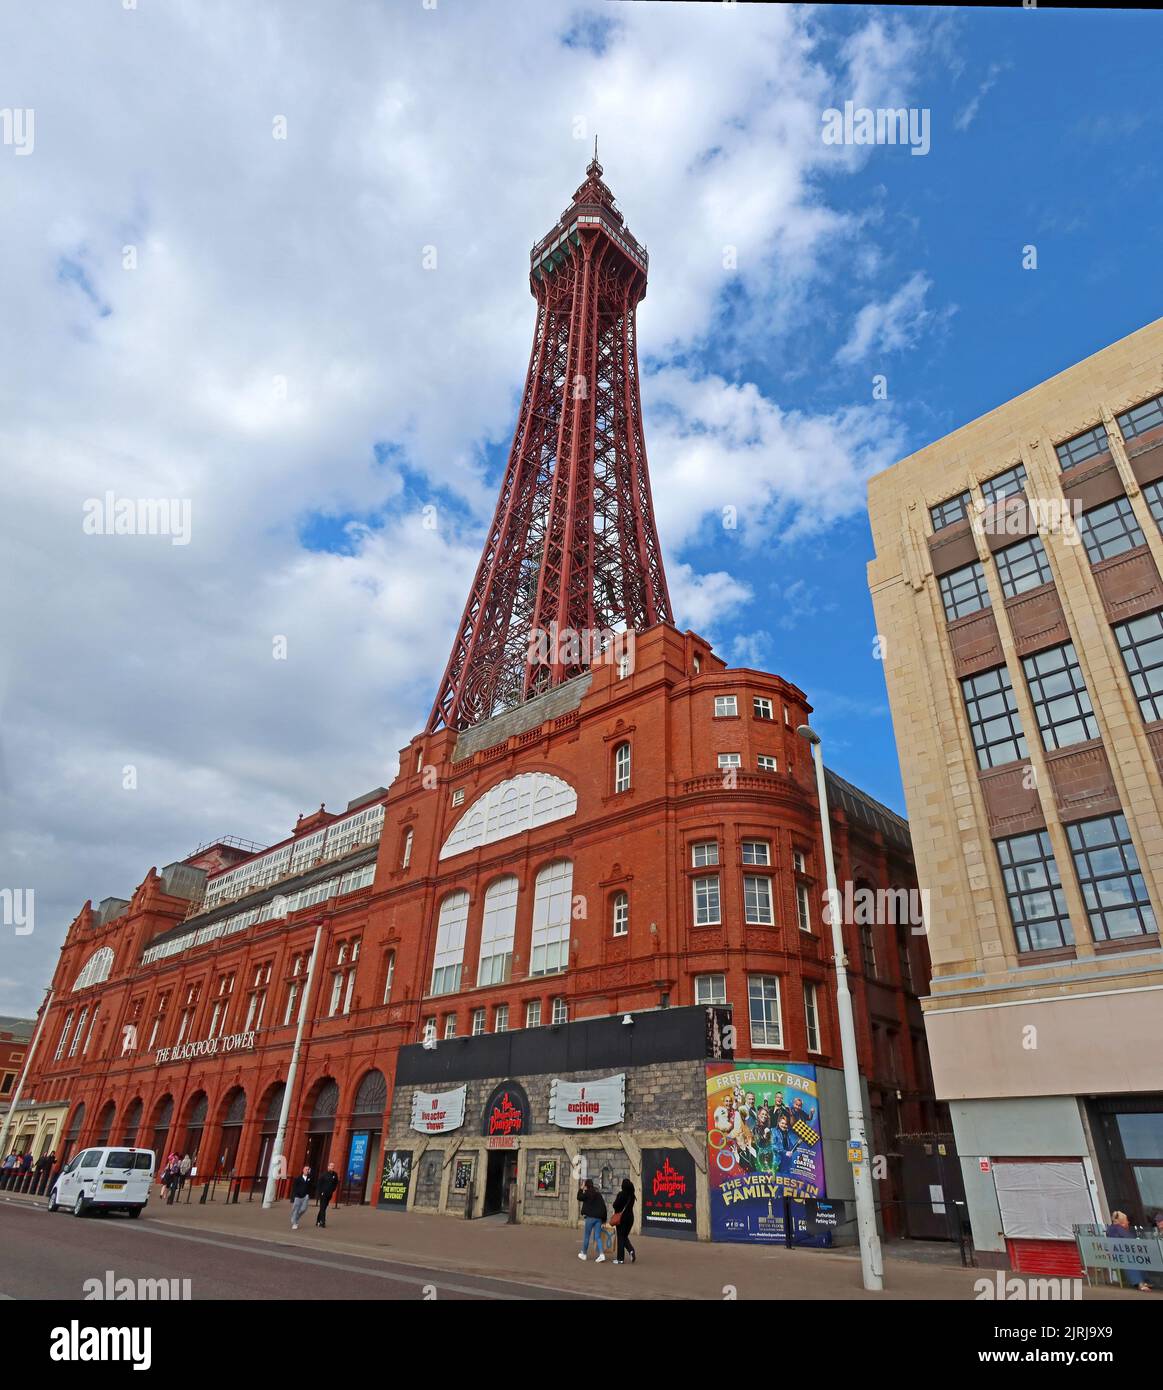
[[484, 1257]]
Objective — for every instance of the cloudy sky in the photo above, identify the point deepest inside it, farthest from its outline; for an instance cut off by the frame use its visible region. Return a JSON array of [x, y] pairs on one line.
[[312, 339]]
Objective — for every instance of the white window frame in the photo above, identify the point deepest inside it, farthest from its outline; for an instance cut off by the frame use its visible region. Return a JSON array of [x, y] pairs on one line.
[[449, 1027], [704, 854], [763, 979], [762, 707], [757, 888], [766, 762], [478, 1022], [621, 914], [711, 989], [501, 1019], [560, 1010], [804, 907], [726, 706], [812, 1016], [703, 884], [621, 768], [762, 845], [533, 1013], [728, 761], [552, 909], [451, 929], [389, 976], [498, 931]]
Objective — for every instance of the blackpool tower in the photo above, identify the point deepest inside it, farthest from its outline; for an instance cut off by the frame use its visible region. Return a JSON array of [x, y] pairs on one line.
[[572, 548]]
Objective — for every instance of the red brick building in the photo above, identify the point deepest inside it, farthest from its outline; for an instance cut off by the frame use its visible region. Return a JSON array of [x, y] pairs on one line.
[[625, 860]]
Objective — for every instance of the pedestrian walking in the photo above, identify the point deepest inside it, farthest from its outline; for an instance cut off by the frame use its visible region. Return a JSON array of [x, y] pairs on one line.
[[624, 1222], [184, 1167], [300, 1197], [593, 1208], [327, 1186]]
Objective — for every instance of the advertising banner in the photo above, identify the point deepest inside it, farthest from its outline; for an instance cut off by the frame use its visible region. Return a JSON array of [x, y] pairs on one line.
[[668, 1193], [506, 1114], [437, 1114], [763, 1144], [396, 1177], [357, 1158], [587, 1104]]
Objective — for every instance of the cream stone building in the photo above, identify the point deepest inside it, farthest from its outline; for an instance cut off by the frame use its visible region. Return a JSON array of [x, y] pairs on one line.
[[1018, 596]]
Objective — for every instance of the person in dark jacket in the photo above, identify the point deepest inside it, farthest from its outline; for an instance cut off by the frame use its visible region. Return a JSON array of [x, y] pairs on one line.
[[327, 1187], [624, 1210], [300, 1197], [593, 1208]]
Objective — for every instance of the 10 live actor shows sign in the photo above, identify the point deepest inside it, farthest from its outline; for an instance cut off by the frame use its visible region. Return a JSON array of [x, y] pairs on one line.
[[588, 1104], [437, 1114]]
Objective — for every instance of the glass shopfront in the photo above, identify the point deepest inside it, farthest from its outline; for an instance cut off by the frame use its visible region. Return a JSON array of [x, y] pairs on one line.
[[1129, 1135]]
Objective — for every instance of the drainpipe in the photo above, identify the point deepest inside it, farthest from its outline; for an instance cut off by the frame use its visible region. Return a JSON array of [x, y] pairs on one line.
[[285, 1109]]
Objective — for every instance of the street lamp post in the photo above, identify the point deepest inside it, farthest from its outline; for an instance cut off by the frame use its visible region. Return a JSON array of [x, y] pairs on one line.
[[871, 1263]]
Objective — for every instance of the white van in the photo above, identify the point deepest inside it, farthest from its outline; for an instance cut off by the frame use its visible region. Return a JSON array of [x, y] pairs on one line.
[[109, 1179]]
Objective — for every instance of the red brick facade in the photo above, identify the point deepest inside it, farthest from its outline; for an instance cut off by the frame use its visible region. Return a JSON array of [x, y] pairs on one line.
[[636, 842]]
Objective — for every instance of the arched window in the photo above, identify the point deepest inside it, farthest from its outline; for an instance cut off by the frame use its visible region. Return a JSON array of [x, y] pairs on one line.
[[622, 768], [96, 969], [552, 899], [406, 855], [450, 943], [519, 803], [497, 931], [620, 905]]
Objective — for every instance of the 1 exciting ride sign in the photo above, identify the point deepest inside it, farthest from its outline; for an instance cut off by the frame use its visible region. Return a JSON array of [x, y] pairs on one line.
[[588, 1104]]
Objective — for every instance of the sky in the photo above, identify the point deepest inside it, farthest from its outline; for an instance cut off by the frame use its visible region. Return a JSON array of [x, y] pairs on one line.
[[271, 261]]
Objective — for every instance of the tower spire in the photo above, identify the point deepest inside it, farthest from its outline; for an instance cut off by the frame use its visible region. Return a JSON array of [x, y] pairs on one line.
[[572, 555]]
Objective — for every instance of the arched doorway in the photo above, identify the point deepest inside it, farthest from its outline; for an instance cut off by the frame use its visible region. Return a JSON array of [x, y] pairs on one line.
[[76, 1124], [105, 1123], [233, 1112], [132, 1123], [270, 1126], [321, 1125], [363, 1148], [196, 1108], [163, 1117]]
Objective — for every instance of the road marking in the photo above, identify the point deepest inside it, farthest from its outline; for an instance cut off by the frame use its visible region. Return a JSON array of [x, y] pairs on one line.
[[411, 1280]]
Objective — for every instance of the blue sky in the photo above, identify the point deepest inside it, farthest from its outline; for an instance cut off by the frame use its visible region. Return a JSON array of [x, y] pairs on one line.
[[337, 413]]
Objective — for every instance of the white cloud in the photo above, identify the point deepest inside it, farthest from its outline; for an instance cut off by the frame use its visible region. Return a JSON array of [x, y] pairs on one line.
[[890, 325]]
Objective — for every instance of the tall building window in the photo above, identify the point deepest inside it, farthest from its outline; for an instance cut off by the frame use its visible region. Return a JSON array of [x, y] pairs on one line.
[[533, 1013], [59, 1053], [762, 707], [450, 932], [501, 1019], [799, 862], [1023, 566], [994, 723], [704, 853], [756, 852], [478, 1022], [389, 975], [560, 1010], [946, 513], [80, 1029], [710, 989], [1141, 418], [725, 706], [904, 956], [803, 907], [964, 591], [763, 1011], [292, 1000], [622, 768], [1034, 892], [1153, 493], [868, 948], [449, 1027], [1082, 448], [428, 1032], [1141, 643], [497, 932], [706, 896], [1006, 484], [811, 1017], [757, 900], [406, 854], [1110, 530], [621, 914], [552, 901], [1108, 874], [1061, 700]]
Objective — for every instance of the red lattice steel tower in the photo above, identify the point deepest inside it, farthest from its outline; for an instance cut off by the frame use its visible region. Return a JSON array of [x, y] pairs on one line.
[[573, 546]]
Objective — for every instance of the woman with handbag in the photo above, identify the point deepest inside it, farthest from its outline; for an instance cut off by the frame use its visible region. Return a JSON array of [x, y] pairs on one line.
[[623, 1221]]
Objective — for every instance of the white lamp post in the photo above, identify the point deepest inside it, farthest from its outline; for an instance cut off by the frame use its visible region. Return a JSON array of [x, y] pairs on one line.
[[871, 1263]]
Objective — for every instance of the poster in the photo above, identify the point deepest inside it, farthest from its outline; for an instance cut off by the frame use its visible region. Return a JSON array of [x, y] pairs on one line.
[[463, 1175], [587, 1104], [547, 1177], [763, 1144], [437, 1114], [396, 1177], [357, 1159], [668, 1193]]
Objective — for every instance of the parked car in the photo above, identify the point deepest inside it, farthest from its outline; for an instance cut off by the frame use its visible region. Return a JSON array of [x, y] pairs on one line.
[[104, 1179]]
